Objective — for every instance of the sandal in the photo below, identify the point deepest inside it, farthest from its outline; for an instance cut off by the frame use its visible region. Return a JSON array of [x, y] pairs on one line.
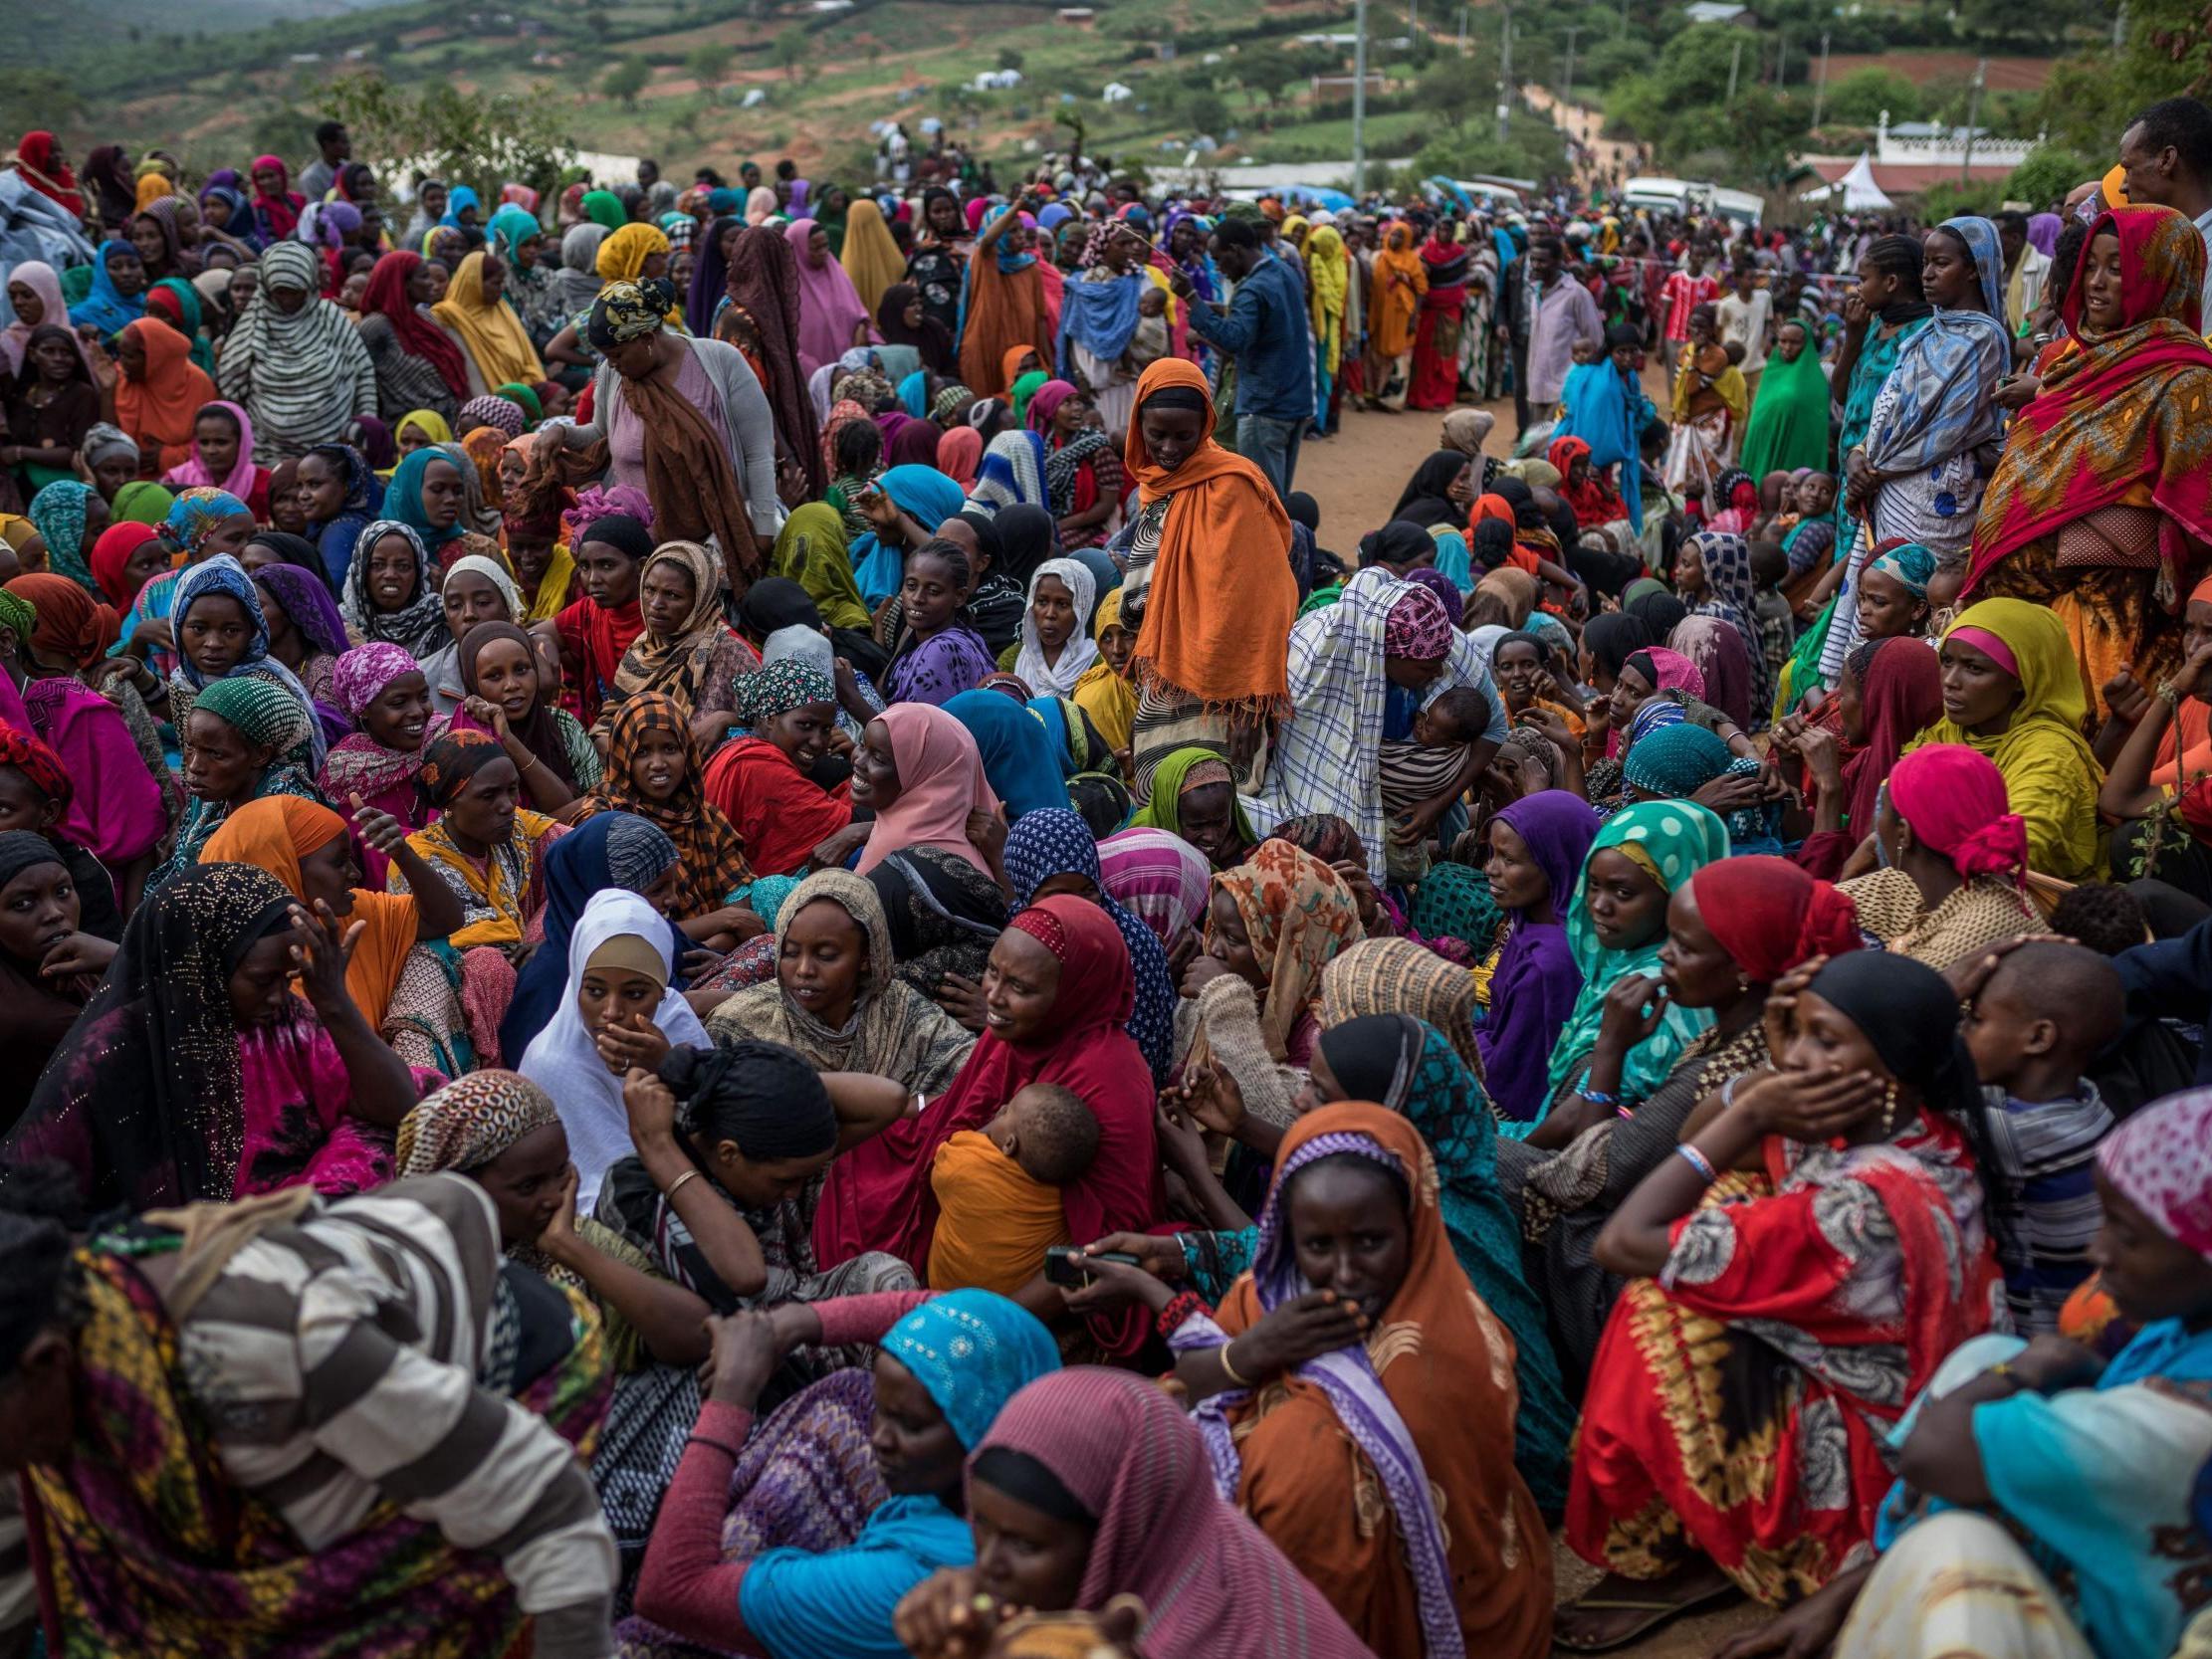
[[1662, 1613]]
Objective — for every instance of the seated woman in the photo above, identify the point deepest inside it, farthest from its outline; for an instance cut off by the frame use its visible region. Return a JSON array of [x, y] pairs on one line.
[[235, 742], [685, 650], [341, 497], [1058, 993], [220, 633], [599, 627], [1816, 1305], [1057, 645], [1185, 1570], [1954, 859], [1890, 689], [49, 965], [2043, 1491], [836, 1000], [903, 512], [918, 771], [937, 655], [653, 771], [1733, 928], [390, 592], [307, 635], [2012, 691], [508, 678], [384, 692], [480, 843], [1285, 1366], [1538, 848], [945, 914], [764, 782], [619, 1010], [1020, 759], [474, 591], [355, 1542], [1194, 798], [1163, 881], [235, 1084], [1893, 604], [807, 1583]]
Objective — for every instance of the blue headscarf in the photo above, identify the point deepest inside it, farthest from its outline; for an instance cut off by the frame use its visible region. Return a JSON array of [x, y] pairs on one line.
[[104, 307], [973, 1351], [457, 198], [1100, 316], [1016, 752], [722, 201], [1054, 842], [1052, 215], [606, 850], [929, 497], [223, 576], [403, 498], [1595, 406], [914, 394], [1946, 370], [1675, 760], [512, 225], [58, 512]]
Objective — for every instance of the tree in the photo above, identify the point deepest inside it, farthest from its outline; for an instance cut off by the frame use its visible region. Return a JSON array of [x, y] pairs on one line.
[[1860, 97], [625, 79], [1204, 109], [2048, 174], [789, 50], [482, 139], [710, 63], [1008, 58]]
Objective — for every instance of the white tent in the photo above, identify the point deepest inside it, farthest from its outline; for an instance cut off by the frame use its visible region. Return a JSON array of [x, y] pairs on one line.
[[1857, 189]]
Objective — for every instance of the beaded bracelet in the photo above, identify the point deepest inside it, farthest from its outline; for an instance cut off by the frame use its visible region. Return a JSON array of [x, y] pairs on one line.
[[1598, 1097], [1699, 1163], [1178, 1309]]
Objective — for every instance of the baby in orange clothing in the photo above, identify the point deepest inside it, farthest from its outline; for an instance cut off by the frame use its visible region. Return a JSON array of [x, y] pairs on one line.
[[998, 1189]]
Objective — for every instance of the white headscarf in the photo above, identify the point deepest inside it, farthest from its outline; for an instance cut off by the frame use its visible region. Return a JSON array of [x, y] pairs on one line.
[[1079, 652], [563, 1060]]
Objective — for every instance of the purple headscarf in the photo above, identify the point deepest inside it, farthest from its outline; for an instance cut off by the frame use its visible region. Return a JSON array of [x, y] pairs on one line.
[[829, 307], [1536, 983], [2043, 233]]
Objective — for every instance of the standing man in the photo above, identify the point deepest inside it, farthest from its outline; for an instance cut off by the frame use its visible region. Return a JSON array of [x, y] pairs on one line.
[[2026, 270], [1562, 316], [1264, 329], [2165, 156], [317, 177], [1747, 319], [648, 174]]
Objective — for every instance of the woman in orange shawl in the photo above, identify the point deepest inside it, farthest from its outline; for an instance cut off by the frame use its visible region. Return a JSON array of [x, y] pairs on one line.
[[1399, 282], [1004, 312], [1393, 1409], [161, 392], [2102, 506], [1211, 541]]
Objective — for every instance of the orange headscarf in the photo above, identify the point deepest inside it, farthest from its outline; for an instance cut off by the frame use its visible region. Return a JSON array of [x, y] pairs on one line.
[[275, 833], [1446, 1364], [1398, 300], [1005, 317], [73, 624], [1217, 622], [157, 412]]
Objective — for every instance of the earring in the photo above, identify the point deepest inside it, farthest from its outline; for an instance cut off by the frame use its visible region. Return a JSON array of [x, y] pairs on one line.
[[1889, 1106]]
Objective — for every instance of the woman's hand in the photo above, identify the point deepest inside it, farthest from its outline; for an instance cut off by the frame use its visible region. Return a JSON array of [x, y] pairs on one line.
[[1363, 889], [1157, 1253], [946, 1616], [2015, 391], [962, 999], [986, 833], [1201, 973], [76, 953], [1730, 792], [488, 715], [1781, 1003], [636, 1041], [1213, 1100], [832, 851], [379, 831], [650, 1106], [1634, 1009], [321, 946], [1114, 1285], [1821, 753], [1302, 1329], [1181, 1142], [1805, 1106], [746, 1354], [2052, 1362], [2128, 697], [1855, 313]]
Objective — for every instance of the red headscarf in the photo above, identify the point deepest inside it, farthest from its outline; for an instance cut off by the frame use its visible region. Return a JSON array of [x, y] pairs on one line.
[[28, 756], [72, 624], [1595, 501], [1901, 693], [34, 159], [1954, 800], [1770, 915], [878, 1197], [113, 553], [280, 208], [386, 296]]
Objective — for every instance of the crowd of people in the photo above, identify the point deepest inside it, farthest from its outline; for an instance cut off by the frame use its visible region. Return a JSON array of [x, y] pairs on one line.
[[726, 931]]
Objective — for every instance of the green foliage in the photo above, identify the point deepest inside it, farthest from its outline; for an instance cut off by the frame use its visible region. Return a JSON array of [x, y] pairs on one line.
[[2048, 174], [1008, 58], [1608, 61], [480, 139], [710, 63], [1947, 201], [2169, 53], [789, 50], [625, 79], [53, 96], [284, 131], [1858, 99]]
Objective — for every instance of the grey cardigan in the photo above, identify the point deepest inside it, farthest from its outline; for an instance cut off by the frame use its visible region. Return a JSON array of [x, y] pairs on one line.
[[748, 427]]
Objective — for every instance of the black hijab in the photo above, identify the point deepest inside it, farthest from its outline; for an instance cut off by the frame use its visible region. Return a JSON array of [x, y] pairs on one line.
[[1431, 483], [1910, 1013]]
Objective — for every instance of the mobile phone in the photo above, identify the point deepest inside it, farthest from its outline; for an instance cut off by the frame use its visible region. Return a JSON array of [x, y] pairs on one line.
[[1063, 1264]]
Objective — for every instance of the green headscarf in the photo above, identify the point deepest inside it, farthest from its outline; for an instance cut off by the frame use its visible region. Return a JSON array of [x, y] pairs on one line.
[[1167, 790], [1024, 389], [604, 207], [810, 551], [1678, 838], [527, 397], [1788, 428], [188, 303], [142, 502]]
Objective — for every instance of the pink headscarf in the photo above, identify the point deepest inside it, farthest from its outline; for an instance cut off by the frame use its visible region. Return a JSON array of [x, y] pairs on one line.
[[41, 280], [240, 482], [960, 454], [2161, 1160], [941, 782], [1676, 673], [1955, 799], [829, 306]]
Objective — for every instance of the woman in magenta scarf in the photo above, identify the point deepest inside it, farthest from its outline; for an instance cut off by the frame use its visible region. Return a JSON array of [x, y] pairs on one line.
[[831, 319]]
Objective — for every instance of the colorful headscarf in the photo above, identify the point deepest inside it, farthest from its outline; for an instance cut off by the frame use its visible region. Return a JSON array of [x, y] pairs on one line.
[[419, 625], [1770, 915], [469, 1123], [2161, 1160], [1298, 914], [1955, 803], [779, 687], [451, 759], [58, 513]]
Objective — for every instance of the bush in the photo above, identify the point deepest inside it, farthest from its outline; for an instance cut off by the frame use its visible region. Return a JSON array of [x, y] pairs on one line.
[[1858, 99], [2048, 174]]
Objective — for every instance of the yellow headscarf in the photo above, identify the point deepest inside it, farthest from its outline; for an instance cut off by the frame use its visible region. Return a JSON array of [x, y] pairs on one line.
[[428, 422], [1108, 697], [622, 256], [1328, 274], [871, 258], [151, 188], [490, 330]]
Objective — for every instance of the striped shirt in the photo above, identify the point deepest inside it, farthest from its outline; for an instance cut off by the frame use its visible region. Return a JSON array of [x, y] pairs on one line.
[[337, 1359], [2041, 1155]]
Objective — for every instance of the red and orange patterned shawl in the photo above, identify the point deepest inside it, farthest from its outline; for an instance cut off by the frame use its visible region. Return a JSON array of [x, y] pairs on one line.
[[2119, 413]]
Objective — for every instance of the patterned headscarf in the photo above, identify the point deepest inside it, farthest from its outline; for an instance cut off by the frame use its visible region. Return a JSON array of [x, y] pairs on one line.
[[2161, 1160], [973, 1351], [1397, 976], [30, 757], [1298, 914], [419, 625], [1675, 760], [451, 759], [58, 513], [714, 861], [627, 311], [1906, 563], [362, 674], [198, 513], [265, 713], [780, 688], [488, 410], [469, 1123]]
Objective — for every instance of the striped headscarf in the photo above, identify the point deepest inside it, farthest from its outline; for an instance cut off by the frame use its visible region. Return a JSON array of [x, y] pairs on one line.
[[295, 372]]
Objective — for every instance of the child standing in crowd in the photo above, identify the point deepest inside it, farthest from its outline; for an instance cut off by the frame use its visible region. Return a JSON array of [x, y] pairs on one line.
[[721, 840]]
